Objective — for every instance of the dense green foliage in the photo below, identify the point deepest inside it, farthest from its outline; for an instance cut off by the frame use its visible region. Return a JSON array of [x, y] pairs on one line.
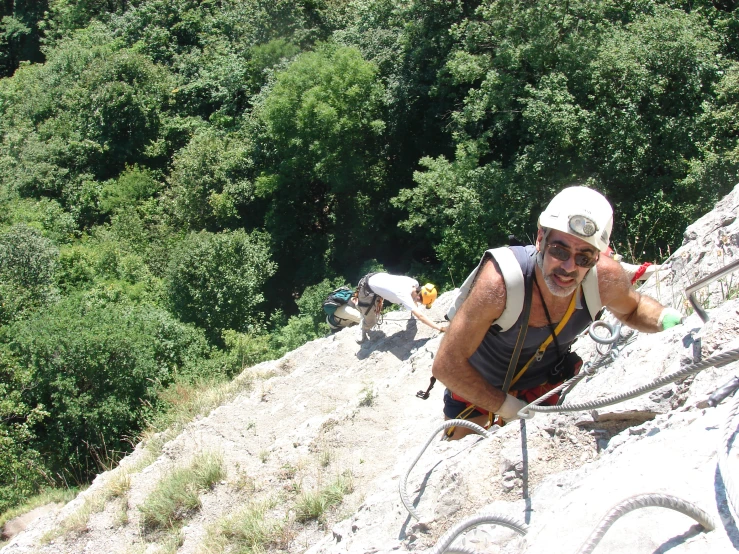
[[183, 181], [94, 367], [216, 280]]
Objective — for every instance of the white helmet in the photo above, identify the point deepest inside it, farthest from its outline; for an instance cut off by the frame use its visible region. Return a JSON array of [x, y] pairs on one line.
[[580, 212]]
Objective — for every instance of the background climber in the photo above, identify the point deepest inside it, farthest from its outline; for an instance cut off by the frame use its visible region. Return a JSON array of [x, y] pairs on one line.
[[398, 289]]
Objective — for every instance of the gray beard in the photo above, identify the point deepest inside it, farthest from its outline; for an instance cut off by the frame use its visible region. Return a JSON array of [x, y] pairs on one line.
[[553, 287]]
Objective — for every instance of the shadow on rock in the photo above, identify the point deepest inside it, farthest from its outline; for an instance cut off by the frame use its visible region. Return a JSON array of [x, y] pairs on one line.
[[400, 344]]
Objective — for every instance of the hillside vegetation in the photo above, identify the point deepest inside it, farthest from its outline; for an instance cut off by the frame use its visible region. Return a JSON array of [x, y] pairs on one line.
[[183, 181]]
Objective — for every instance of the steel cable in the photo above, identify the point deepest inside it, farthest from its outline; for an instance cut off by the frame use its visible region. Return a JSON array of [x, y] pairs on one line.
[[450, 423], [719, 359], [497, 519], [645, 501]]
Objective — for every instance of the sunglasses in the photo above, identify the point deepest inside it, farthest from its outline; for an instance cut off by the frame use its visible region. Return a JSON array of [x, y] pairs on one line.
[[562, 254]]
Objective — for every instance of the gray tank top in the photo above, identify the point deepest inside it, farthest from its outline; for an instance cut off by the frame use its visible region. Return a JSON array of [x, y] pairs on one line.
[[493, 355]]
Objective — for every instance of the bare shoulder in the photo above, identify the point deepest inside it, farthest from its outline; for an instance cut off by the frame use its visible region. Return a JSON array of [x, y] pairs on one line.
[[488, 294], [613, 282], [483, 305]]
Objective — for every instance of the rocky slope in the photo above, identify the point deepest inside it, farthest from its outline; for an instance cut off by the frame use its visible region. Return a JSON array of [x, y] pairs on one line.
[[334, 414]]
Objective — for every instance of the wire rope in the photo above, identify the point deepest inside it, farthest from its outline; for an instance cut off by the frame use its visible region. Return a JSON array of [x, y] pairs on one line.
[[645, 501], [404, 480], [719, 359]]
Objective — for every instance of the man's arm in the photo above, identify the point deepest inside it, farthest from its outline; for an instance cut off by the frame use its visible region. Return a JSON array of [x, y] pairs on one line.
[[484, 305], [416, 312], [632, 308]]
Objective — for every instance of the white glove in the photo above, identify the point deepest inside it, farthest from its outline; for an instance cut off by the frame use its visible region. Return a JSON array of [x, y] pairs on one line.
[[510, 408]]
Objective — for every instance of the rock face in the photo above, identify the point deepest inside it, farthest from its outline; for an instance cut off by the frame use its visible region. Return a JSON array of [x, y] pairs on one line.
[[333, 408]]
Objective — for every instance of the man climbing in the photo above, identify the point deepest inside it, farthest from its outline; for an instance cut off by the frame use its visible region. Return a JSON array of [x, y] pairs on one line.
[[375, 287], [536, 300]]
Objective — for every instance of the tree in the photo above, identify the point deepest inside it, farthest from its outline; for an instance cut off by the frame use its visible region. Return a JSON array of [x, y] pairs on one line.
[[27, 270], [215, 280], [96, 367], [22, 468], [80, 119], [20, 33], [602, 93], [323, 123], [212, 181], [651, 83]]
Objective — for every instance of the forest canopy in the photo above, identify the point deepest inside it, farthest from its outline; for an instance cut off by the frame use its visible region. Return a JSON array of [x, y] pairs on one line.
[[183, 181]]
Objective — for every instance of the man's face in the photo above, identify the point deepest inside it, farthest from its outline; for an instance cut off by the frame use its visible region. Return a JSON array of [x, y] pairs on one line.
[[563, 276]]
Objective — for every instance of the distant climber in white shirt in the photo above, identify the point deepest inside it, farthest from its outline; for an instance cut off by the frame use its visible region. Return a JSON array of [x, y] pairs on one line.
[[396, 289]]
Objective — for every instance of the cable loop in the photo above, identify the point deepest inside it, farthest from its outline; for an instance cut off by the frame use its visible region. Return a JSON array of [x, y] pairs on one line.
[[614, 332]]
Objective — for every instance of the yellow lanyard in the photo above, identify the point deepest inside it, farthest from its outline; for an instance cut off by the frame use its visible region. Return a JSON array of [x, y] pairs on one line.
[[543, 347]]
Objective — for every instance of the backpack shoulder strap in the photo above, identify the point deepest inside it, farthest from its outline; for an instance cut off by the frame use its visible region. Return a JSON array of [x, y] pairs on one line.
[[591, 292], [514, 286], [514, 282]]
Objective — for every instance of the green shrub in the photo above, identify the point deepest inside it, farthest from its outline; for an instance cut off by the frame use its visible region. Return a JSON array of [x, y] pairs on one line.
[[129, 188], [298, 330], [216, 280], [22, 468], [246, 349], [27, 258], [210, 179], [27, 267], [96, 367]]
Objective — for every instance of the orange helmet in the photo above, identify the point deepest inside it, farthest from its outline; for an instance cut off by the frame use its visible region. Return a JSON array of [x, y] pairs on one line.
[[428, 294]]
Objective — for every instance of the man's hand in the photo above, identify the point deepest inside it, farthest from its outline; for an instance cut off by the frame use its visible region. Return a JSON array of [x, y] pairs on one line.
[[670, 317], [510, 408], [442, 329]]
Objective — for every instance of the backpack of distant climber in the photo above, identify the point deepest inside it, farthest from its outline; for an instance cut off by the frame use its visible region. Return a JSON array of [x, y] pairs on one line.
[[340, 311]]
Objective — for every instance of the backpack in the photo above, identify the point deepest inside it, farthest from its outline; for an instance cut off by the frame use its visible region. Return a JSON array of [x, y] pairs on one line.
[[513, 277], [337, 298]]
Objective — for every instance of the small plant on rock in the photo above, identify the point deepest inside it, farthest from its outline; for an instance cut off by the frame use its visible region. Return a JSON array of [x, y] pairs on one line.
[[177, 494], [246, 530], [314, 504]]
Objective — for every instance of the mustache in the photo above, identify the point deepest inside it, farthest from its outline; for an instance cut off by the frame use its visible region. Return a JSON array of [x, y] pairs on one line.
[[562, 273]]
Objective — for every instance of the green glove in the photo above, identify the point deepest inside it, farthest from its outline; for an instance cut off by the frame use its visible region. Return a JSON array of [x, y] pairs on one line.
[[669, 318]]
